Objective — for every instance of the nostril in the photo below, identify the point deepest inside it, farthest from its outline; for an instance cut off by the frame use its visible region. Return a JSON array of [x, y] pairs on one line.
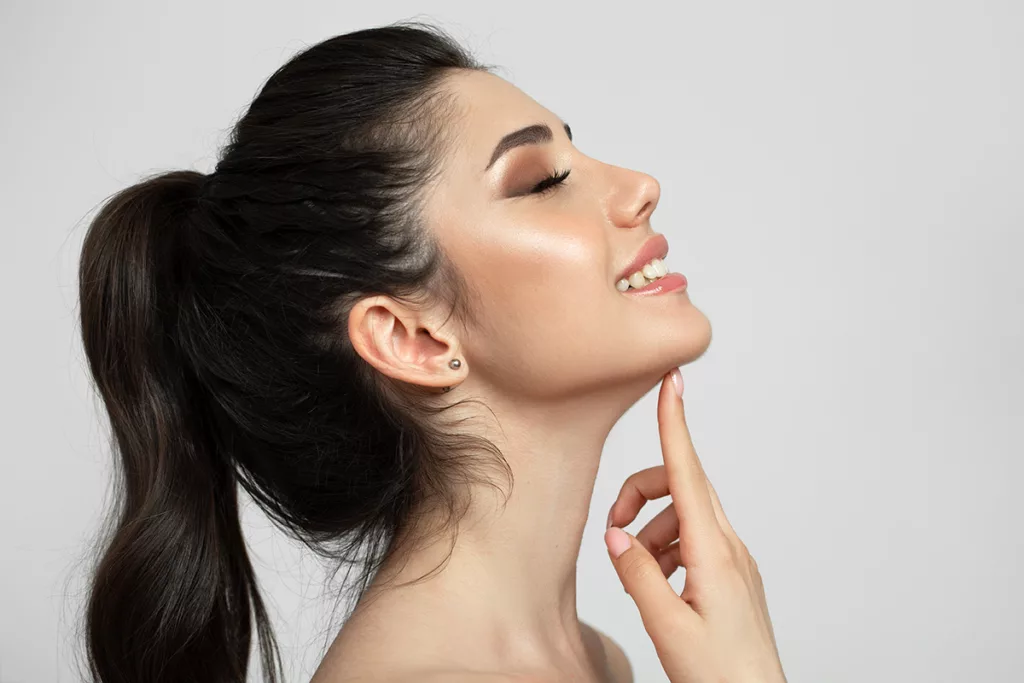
[[648, 208]]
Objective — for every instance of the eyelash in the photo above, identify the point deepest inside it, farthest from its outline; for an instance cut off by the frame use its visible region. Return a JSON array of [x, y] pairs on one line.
[[550, 182]]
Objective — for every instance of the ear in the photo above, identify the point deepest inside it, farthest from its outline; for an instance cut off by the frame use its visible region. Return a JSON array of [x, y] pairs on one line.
[[403, 343]]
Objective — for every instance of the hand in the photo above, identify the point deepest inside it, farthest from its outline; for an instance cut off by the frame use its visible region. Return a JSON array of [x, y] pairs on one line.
[[719, 628]]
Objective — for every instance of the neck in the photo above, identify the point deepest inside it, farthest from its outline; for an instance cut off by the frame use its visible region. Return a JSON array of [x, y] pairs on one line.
[[509, 586]]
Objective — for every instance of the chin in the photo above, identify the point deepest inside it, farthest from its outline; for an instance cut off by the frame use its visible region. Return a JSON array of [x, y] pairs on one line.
[[687, 340]]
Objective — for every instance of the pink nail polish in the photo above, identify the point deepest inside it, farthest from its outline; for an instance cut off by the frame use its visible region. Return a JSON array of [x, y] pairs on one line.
[[617, 540], [677, 381]]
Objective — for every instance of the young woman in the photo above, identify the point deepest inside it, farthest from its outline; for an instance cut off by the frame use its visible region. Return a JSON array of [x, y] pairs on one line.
[[403, 313]]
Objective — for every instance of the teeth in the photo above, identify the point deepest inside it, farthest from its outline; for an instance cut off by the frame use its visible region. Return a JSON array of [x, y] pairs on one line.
[[637, 280], [651, 271]]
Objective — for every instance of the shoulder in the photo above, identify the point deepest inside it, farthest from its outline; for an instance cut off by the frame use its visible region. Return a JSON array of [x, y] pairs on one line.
[[469, 677], [618, 666], [618, 663]]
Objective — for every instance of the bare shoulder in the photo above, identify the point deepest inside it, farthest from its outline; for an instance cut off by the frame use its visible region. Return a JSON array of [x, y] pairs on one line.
[[469, 677], [618, 666], [618, 663], [432, 676]]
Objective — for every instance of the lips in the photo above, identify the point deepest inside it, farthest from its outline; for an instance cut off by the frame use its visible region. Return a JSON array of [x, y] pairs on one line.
[[667, 283], [655, 247]]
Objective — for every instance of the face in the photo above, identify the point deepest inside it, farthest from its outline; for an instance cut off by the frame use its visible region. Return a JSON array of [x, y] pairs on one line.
[[544, 264]]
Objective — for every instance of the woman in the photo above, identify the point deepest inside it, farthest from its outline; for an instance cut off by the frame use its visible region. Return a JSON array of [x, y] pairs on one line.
[[404, 313]]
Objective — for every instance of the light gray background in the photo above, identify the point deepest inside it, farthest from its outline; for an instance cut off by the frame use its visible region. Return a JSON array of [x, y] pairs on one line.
[[843, 185]]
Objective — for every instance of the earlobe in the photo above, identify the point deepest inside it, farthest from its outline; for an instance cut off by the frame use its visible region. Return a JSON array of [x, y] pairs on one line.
[[402, 343], [454, 364]]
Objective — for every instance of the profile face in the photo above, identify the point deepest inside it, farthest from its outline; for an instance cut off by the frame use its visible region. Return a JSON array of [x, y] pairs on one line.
[[552, 322]]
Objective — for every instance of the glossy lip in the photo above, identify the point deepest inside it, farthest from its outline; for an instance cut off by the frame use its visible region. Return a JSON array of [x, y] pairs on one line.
[[655, 247]]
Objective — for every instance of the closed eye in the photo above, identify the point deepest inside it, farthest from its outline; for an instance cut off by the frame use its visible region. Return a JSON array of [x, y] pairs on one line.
[[550, 182]]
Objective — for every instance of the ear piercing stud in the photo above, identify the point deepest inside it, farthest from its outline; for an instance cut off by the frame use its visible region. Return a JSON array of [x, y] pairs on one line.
[[454, 364]]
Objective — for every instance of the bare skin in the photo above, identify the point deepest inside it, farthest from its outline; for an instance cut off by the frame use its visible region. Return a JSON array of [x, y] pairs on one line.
[[719, 628], [558, 354]]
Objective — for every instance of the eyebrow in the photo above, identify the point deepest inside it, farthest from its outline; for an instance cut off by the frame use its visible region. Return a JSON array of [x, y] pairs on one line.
[[531, 135]]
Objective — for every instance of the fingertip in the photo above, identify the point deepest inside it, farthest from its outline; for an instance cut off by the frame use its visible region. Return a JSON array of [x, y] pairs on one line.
[[668, 399], [665, 395], [617, 540], [677, 381]]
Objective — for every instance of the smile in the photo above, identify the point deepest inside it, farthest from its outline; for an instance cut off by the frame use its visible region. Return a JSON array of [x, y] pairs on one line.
[[653, 278], [669, 282], [648, 274]]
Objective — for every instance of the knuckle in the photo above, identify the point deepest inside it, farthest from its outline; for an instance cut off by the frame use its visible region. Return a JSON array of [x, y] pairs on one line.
[[719, 552], [744, 558], [753, 576], [647, 477], [753, 564], [755, 573]]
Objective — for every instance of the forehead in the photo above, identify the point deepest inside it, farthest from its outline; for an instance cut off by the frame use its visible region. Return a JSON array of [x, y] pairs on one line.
[[491, 108]]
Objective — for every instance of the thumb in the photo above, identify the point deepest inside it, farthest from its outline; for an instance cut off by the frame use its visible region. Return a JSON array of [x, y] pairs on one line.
[[641, 575]]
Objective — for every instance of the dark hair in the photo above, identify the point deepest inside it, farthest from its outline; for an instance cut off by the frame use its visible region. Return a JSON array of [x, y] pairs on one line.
[[214, 316]]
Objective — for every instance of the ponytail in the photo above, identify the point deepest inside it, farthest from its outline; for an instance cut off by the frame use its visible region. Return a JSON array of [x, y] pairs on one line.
[[214, 316], [173, 591]]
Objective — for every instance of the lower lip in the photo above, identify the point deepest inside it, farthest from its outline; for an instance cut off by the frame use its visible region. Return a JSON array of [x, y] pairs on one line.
[[669, 283]]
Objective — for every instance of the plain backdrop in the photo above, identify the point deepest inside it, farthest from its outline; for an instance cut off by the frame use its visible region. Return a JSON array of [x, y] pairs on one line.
[[842, 183]]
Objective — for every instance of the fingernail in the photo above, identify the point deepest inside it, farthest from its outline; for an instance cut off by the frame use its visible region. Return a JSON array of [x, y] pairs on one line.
[[677, 381], [617, 541], [609, 524]]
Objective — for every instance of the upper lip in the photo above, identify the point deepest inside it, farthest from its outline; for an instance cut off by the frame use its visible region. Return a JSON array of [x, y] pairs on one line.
[[656, 246]]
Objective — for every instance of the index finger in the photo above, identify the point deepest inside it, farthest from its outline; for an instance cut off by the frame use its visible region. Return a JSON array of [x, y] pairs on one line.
[[698, 524]]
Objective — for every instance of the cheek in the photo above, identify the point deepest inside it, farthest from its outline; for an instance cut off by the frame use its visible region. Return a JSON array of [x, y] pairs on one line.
[[539, 306], [541, 277]]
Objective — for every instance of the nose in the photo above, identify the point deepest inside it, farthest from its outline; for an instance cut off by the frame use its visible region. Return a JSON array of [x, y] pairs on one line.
[[634, 198]]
